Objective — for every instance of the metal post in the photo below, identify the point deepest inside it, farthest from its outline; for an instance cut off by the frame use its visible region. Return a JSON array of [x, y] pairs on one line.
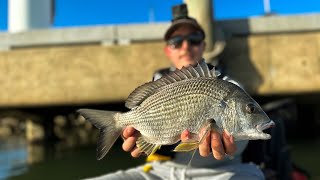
[[202, 11]]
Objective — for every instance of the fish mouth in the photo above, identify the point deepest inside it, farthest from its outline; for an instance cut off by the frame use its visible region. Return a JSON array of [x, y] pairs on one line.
[[266, 125]]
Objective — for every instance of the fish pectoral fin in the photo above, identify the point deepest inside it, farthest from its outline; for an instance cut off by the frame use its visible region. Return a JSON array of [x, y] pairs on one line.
[[189, 146], [185, 147], [147, 147]]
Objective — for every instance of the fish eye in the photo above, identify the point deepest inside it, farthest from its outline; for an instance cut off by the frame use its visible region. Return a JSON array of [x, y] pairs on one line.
[[250, 108]]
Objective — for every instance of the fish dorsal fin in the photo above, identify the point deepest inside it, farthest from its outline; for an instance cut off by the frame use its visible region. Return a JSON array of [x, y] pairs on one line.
[[199, 70], [205, 69], [144, 91]]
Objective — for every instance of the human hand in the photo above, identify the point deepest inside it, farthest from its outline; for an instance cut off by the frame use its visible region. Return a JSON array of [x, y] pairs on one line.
[[219, 145], [130, 136]]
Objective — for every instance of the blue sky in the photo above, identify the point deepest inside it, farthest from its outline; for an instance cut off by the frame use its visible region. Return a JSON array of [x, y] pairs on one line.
[[94, 12]]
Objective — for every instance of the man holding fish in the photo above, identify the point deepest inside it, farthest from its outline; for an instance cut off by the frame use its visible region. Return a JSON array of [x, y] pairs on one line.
[[215, 131]]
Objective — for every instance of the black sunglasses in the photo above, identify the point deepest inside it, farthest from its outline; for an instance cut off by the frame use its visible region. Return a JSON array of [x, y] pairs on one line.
[[193, 39]]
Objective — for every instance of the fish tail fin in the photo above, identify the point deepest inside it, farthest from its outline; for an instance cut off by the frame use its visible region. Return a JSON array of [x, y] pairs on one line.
[[106, 122]]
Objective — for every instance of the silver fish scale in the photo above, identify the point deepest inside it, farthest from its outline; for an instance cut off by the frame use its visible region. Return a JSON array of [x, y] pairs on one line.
[[186, 99], [182, 105]]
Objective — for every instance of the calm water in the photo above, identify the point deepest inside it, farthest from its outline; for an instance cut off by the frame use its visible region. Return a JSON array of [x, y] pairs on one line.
[[306, 154], [13, 158], [20, 161], [52, 162]]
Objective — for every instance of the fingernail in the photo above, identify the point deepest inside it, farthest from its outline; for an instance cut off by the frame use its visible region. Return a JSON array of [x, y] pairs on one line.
[[186, 137], [221, 156], [231, 139], [128, 130], [201, 134], [227, 133]]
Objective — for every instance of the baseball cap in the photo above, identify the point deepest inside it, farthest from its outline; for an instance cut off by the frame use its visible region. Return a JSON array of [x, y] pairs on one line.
[[180, 17]]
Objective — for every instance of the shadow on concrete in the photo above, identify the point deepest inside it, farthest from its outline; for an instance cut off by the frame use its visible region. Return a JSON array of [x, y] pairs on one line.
[[235, 60]]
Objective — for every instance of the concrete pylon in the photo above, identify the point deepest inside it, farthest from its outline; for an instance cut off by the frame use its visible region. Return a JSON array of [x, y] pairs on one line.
[[202, 11], [24, 15]]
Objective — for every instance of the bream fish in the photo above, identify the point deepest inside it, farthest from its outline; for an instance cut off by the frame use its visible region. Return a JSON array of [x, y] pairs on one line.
[[188, 99]]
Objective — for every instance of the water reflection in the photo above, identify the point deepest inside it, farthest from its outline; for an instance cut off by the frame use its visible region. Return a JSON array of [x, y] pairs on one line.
[[13, 157], [20, 160]]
